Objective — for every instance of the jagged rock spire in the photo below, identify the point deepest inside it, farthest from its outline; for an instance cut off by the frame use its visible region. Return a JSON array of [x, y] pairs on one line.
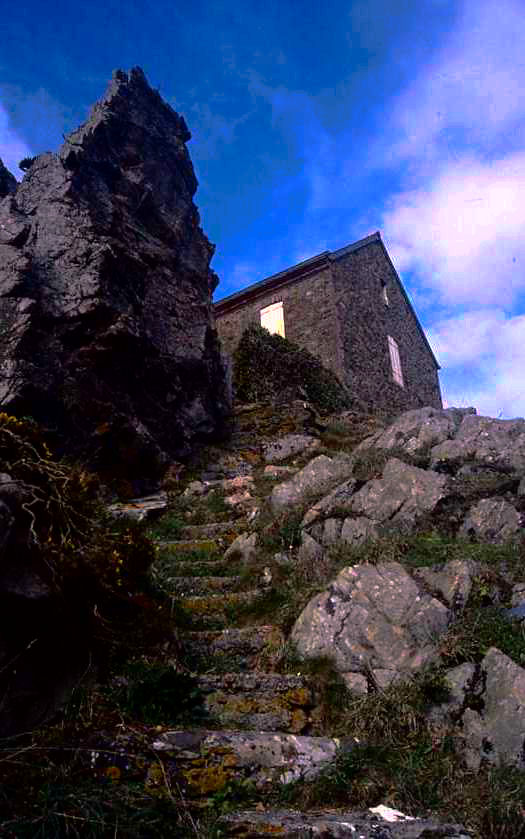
[[106, 288]]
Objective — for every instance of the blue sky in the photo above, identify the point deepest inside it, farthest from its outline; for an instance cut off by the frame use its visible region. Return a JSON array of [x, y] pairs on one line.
[[315, 124]]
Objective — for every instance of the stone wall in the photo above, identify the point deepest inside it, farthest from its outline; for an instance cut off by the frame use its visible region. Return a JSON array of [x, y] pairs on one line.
[[334, 307], [366, 321], [309, 317]]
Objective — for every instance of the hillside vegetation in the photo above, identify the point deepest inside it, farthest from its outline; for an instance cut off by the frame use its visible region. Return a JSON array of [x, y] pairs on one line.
[[152, 742]]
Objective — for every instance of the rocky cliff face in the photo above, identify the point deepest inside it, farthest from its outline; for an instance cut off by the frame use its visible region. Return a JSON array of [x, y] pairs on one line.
[[105, 290], [7, 181]]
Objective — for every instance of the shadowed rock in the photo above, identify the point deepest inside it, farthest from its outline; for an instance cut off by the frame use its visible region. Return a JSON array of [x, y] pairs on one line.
[[8, 182], [105, 290]]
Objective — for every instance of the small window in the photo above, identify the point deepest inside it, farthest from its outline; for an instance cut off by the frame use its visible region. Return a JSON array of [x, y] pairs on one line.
[[385, 294], [395, 361], [272, 318]]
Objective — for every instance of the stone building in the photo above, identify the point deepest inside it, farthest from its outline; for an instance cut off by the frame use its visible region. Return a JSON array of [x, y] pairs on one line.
[[349, 308]]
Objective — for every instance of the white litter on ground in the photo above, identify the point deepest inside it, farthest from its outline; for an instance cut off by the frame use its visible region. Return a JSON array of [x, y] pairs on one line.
[[390, 815]]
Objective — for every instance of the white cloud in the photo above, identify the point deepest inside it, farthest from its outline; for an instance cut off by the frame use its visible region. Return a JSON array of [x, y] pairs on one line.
[[12, 148], [457, 131], [483, 355], [455, 136], [462, 231], [472, 89]]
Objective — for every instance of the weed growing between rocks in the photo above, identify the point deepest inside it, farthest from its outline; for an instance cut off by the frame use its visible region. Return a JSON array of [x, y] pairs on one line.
[[483, 624], [157, 693], [168, 527], [283, 533], [427, 549], [392, 755]]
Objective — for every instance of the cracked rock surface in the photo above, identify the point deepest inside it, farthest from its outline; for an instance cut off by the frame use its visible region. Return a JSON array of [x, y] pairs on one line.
[[105, 289], [373, 617]]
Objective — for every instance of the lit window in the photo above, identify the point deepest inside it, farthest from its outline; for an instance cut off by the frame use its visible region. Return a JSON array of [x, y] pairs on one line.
[[272, 318], [395, 361], [385, 294]]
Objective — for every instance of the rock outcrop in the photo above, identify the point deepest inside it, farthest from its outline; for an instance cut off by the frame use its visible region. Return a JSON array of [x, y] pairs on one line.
[[105, 291], [375, 622], [8, 182], [382, 622], [389, 673], [428, 467]]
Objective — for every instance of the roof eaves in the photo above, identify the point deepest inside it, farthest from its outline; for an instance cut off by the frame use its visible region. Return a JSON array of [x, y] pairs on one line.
[[274, 281], [294, 272]]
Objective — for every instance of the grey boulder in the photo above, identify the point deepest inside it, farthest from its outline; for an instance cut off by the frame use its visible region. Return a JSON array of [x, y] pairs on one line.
[[372, 617], [319, 475], [413, 432], [401, 496], [493, 520], [337, 500], [500, 443], [243, 547], [287, 446], [496, 734], [453, 582]]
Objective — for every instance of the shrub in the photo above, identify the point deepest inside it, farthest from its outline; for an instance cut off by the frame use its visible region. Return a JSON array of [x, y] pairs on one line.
[[267, 366], [26, 163], [83, 554]]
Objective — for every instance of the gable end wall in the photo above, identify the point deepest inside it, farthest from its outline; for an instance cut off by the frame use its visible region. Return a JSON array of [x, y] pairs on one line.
[[365, 322]]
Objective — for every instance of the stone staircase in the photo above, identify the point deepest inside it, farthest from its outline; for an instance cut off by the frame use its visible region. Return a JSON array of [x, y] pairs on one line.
[[258, 722], [255, 727]]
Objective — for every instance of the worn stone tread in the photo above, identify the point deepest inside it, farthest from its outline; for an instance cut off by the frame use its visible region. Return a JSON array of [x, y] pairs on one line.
[[238, 647], [185, 545], [200, 567], [213, 608], [199, 585], [205, 531], [209, 760], [261, 701], [140, 509], [330, 824]]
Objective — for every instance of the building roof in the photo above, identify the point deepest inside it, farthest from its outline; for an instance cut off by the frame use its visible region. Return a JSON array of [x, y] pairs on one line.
[[310, 266]]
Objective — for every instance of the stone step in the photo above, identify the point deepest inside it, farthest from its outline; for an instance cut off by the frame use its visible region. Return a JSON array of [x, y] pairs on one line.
[[213, 610], [209, 531], [259, 701], [198, 585], [179, 546], [209, 760], [140, 509], [203, 567], [232, 649], [376, 822]]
